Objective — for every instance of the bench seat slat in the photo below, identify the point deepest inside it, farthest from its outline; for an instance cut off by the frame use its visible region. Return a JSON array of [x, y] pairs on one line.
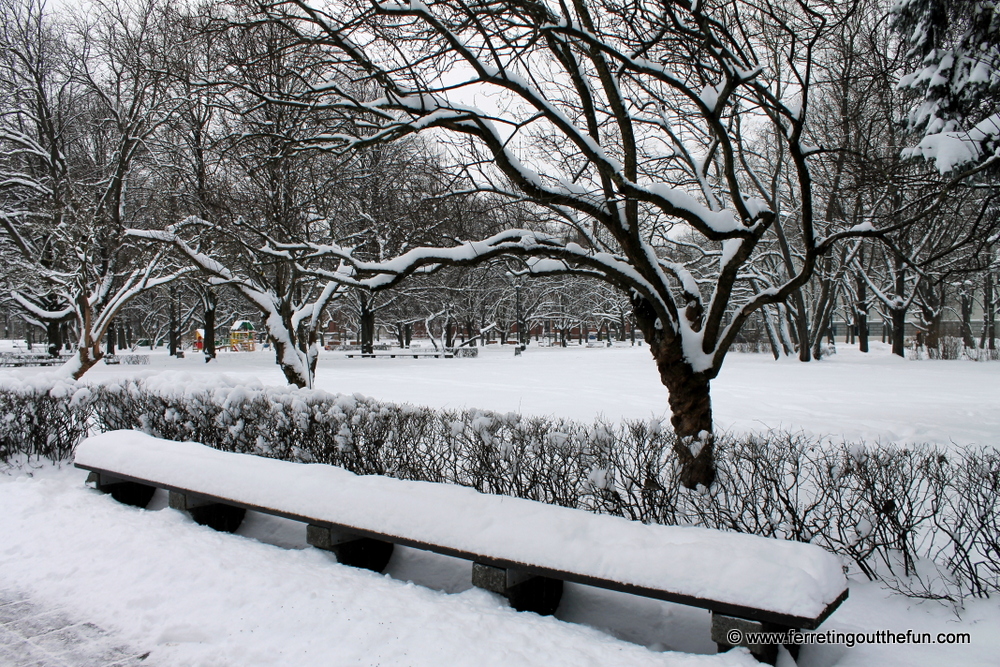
[[786, 583]]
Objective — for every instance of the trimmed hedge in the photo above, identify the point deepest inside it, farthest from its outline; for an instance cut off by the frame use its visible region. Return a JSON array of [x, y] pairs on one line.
[[42, 418]]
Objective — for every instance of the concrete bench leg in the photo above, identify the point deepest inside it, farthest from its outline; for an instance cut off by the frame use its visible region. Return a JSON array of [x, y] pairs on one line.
[[218, 516], [129, 493], [364, 552], [725, 627], [525, 591]]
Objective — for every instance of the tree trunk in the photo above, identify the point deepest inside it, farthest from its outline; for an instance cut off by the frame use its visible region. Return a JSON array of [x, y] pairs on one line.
[[209, 338], [772, 336], [85, 359], [691, 416], [689, 399], [54, 332], [967, 340], [282, 352], [110, 339], [898, 329], [801, 322], [899, 310], [989, 314], [861, 312], [88, 351], [823, 325], [367, 328], [933, 339]]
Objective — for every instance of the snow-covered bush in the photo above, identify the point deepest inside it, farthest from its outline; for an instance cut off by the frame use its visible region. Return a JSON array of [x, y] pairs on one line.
[[41, 417], [541, 459]]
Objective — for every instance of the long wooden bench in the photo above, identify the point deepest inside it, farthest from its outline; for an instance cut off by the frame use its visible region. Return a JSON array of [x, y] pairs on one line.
[[521, 549], [17, 360], [393, 355]]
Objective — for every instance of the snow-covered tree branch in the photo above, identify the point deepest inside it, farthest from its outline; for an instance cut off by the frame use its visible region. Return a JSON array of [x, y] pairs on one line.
[[626, 122]]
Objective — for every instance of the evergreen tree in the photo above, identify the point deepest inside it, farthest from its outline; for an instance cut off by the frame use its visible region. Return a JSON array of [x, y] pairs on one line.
[[953, 47]]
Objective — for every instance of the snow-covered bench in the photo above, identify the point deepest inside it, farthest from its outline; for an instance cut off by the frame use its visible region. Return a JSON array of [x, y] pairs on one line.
[[17, 359], [401, 353], [519, 548]]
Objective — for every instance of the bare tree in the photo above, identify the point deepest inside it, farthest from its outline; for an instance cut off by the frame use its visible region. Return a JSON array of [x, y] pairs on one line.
[[83, 108], [625, 121]]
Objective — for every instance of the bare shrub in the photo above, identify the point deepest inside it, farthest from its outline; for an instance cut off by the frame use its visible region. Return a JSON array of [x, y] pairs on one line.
[[950, 348], [42, 420]]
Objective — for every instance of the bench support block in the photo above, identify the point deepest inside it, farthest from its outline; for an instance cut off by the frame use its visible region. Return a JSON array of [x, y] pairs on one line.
[[350, 549], [724, 627], [129, 493], [525, 591], [207, 512]]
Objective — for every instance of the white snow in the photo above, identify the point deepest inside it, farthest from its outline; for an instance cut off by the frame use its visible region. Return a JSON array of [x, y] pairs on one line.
[[197, 598], [865, 226], [785, 577], [854, 396], [193, 597], [718, 221], [952, 149], [710, 94]]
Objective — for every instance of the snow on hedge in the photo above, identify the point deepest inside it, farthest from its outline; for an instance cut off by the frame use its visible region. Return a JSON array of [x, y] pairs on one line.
[[41, 415]]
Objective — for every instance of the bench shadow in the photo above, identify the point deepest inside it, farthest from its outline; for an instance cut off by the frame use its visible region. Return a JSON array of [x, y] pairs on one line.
[[659, 626]]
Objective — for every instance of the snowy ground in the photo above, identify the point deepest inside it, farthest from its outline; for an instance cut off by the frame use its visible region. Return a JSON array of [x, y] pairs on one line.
[[851, 395], [153, 582]]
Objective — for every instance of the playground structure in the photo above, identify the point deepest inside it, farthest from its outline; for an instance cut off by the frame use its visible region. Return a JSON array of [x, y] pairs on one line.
[[199, 341], [242, 336]]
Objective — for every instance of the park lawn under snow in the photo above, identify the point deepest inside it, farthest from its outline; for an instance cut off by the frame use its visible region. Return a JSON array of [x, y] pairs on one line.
[[191, 596], [850, 395]]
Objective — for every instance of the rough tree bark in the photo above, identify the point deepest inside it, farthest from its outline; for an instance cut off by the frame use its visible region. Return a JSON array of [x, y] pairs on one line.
[[367, 322], [208, 341], [861, 311], [966, 297], [689, 399], [989, 338]]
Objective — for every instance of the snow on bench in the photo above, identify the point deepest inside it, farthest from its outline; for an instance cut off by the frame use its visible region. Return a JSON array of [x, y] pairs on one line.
[[393, 355], [520, 548], [16, 359]]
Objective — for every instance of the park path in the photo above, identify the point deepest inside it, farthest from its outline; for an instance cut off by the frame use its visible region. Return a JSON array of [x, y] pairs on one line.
[[34, 636]]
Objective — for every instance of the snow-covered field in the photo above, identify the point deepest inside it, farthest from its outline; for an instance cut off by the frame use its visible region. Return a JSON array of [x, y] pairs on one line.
[[856, 396], [189, 596]]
